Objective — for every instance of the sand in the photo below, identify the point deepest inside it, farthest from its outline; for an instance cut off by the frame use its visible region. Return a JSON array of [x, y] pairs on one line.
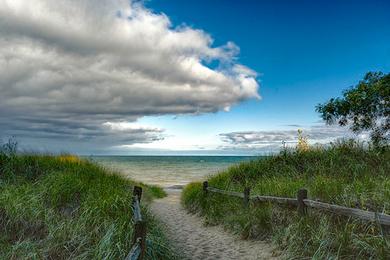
[[196, 241]]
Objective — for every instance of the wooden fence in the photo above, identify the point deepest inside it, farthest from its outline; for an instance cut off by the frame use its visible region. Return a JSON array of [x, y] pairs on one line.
[[302, 203], [138, 248]]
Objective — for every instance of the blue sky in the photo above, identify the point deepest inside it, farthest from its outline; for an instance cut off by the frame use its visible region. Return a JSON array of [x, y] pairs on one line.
[[153, 84], [304, 51]]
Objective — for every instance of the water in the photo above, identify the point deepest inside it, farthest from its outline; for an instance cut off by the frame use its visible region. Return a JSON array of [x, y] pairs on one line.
[[168, 171]]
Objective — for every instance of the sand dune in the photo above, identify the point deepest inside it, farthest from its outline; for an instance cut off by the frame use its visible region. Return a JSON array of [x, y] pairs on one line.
[[197, 241]]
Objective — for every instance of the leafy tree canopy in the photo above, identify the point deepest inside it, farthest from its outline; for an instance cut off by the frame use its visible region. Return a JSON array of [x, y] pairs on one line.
[[365, 107]]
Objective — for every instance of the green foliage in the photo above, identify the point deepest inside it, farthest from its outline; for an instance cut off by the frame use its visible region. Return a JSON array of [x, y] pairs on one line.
[[52, 208], [364, 107], [345, 174]]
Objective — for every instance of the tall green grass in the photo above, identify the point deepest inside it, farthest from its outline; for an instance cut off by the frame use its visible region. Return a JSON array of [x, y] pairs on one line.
[[52, 208], [345, 174]]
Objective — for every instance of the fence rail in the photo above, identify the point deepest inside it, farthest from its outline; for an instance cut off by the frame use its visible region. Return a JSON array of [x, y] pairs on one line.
[[279, 200], [302, 203], [138, 248], [225, 192]]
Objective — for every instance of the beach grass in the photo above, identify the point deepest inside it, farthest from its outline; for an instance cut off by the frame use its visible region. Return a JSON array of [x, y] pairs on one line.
[[64, 207], [346, 173]]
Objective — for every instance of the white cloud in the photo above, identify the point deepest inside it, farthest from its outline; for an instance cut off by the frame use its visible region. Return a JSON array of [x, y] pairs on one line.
[[84, 63], [130, 126], [273, 140]]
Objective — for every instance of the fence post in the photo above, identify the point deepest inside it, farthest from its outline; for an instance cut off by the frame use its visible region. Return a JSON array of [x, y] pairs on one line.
[[302, 195], [140, 232], [205, 186], [246, 196], [137, 191]]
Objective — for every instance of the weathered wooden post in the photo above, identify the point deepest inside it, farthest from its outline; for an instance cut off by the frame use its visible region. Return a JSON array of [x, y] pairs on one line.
[[140, 233], [246, 196], [137, 191], [302, 195], [140, 225], [205, 186]]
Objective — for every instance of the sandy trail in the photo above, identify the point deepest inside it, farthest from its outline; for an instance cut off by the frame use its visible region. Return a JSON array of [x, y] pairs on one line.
[[196, 241]]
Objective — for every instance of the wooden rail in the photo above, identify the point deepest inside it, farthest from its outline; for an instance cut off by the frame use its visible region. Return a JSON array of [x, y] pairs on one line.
[[279, 200], [380, 218], [138, 248], [229, 193], [302, 203]]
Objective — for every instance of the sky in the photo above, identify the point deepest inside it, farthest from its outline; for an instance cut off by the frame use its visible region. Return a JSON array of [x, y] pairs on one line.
[[181, 77]]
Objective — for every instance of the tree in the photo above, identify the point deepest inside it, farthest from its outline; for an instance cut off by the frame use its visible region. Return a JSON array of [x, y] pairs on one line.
[[365, 107]]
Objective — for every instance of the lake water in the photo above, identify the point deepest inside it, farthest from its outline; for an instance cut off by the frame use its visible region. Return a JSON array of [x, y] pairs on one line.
[[168, 171]]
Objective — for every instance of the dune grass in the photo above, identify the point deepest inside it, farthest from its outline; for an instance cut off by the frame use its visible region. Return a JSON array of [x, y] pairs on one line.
[[345, 174], [68, 208]]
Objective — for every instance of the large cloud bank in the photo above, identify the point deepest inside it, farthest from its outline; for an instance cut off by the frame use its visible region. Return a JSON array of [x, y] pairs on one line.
[[68, 67]]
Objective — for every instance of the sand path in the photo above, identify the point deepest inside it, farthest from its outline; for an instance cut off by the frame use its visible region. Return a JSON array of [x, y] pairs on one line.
[[197, 241]]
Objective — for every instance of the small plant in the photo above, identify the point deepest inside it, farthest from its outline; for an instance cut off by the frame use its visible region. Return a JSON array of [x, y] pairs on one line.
[[303, 144], [69, 158], [9, 148]]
